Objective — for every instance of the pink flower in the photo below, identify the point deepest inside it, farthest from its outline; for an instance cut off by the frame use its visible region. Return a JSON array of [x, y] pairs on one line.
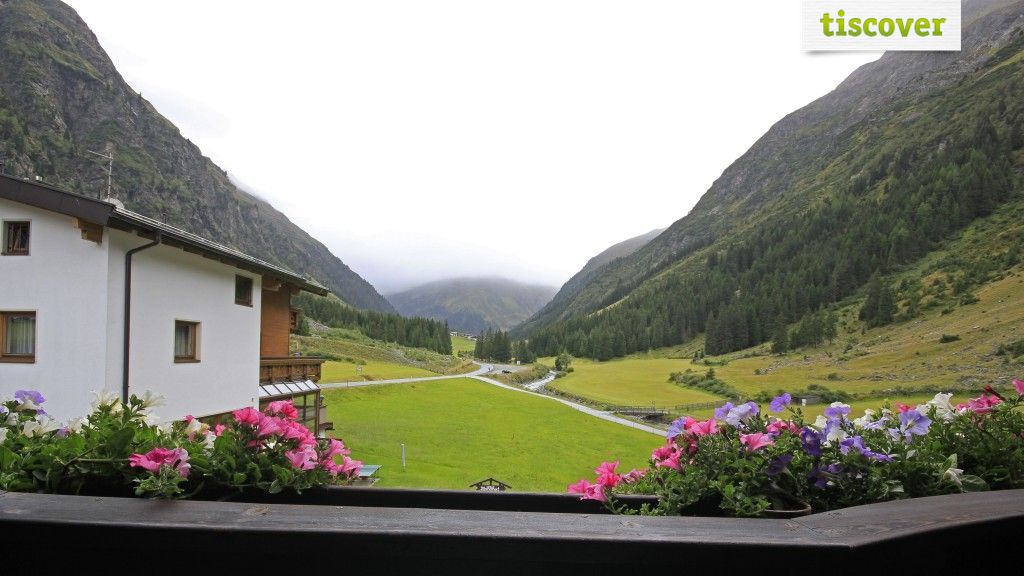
[[606, 468], [982, 404], [709, 426], [777, 427], [579, 487], [594, 492], [335, 448], [634, 475], [218, 429], [1018, 385], [302, 458], [267, 426], [902, 407], [247, 415], [672, 461], [663, 452], [350, 467], [756, 441], [159, 457], [283, 408]]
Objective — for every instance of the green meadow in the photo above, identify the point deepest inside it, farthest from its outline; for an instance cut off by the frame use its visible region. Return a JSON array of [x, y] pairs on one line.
[[337, 371], [631, 381], [457, 432], [462, 344]]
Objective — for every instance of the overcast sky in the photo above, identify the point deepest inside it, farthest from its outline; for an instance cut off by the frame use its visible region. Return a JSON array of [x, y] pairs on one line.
[[433, 138]]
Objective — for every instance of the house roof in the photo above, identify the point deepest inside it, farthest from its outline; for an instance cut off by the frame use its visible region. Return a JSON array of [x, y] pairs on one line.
[[111, 214]]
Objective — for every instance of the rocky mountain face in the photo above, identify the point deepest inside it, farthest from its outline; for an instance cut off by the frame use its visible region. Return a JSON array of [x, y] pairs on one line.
[[61, 96], [589, 271], [905, 152], [473, 304]]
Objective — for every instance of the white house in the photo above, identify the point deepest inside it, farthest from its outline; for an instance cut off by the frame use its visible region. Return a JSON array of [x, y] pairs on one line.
[[95, 297]]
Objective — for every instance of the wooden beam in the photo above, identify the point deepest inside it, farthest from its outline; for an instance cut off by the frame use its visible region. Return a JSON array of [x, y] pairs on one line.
[[90, 231]]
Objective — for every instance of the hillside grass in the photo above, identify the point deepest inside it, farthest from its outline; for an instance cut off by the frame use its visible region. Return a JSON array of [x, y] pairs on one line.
[[631, 381], [461, 431], [462, 344], [353, 357]]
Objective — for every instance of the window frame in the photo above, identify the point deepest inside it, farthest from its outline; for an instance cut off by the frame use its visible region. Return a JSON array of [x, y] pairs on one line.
[[17, 358], [6, 233], [252, 287], [194, 357]]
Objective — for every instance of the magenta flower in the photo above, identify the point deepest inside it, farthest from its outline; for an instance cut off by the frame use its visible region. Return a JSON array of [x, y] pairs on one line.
[[709, 426], [335, 448], [350, 467], [1018, 385], [578, 488], [606, 475], [755, 441], [678, 425], [219, 429], [634, 476], [247, 415], [594, 492], [283, 408], [777, 427], [159, 457], [982, 404], [267, 425], [672, 461], [302, 458]]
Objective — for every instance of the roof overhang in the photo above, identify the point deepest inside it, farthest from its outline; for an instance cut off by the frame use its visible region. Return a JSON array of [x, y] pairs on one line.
[[108, 214]]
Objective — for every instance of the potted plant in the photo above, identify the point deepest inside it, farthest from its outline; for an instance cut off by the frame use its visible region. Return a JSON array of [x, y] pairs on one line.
[[744, 462]]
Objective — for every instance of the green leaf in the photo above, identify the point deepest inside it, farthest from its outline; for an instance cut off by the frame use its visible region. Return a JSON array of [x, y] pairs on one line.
[[972, 483]]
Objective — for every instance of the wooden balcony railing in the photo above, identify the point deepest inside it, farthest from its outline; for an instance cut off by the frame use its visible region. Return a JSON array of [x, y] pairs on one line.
[[290, 368]]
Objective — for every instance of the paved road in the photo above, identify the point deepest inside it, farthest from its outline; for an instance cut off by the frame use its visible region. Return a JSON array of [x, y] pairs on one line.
[[484, 369]]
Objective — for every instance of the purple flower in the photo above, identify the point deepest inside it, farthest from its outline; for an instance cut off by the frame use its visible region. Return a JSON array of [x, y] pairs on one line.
[[22, 395], [722, 410], [821, 476], [737, 415], [780, 402], [912, 423], [811, 441], [915, 423], [877, 424], [857, 443], [837, 410], [677, 427], [779, 464]]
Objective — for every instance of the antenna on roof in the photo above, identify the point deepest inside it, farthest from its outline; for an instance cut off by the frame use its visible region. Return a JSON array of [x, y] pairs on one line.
[[110, 170]]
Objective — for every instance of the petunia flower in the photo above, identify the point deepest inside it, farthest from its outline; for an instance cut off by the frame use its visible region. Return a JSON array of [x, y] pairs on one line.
[[779, 403], [1018, 385], [810, 439], [160, 457], [756, 441], [29, 400], [634, 476], [248, 415], [837, 410], [777, 427], [738, 415], [678, 426], [722, 410], [697, 428], [778, 464], [579, 487], [303, 458], [283, 408]]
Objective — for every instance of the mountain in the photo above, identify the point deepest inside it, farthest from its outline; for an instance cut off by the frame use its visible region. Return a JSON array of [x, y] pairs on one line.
[[473, 304], [589, 271], [899, 158], [60, 96]]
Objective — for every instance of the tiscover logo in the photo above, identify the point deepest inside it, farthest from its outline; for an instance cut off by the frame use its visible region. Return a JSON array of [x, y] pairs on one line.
[[881, 25]]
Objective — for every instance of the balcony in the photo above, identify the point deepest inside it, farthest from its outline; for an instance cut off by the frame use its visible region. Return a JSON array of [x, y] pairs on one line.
[[290, 369]]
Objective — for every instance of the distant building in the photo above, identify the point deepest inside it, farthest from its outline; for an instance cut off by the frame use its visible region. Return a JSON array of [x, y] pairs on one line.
[[95, 297]]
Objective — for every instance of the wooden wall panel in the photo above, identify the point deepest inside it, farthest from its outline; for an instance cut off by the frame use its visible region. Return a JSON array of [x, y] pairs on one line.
[[275, 321]]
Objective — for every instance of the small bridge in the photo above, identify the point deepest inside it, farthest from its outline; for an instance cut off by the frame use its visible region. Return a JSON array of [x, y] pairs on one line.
[[639, 411]]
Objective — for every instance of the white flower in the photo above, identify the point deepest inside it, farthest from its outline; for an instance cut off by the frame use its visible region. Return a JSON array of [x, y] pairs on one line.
[[210, 439], [151, 400], [33, 428], [76, 424], [954, 475], [820, 422], [943, 408], [194, 427], [836, 434], [12, 419], [147, 418], [3, 434], [867, 418], [107, 398]]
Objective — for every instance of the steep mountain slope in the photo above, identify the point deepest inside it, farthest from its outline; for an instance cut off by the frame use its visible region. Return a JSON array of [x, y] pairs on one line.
[[61, 96], [473, 304], [589, 271], [905, 152]]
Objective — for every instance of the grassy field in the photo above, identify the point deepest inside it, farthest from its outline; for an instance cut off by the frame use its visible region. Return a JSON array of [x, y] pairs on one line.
[[336, 371], [461, 344], [631, 381], [354, 357], [461, 431]]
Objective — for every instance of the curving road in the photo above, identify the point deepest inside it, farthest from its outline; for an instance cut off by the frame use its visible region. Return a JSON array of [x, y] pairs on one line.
[[484, 369]]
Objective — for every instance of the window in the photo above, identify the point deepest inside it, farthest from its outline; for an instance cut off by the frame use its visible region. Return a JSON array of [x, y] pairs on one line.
[[186, 341], [17, 336], [16, 238], [243, 290]]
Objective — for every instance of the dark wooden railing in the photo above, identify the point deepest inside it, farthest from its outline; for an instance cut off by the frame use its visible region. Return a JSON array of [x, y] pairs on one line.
[[967, 534], [286, 368]]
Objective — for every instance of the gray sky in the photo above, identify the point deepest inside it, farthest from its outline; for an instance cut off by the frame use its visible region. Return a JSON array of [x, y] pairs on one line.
[[426, 139]]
